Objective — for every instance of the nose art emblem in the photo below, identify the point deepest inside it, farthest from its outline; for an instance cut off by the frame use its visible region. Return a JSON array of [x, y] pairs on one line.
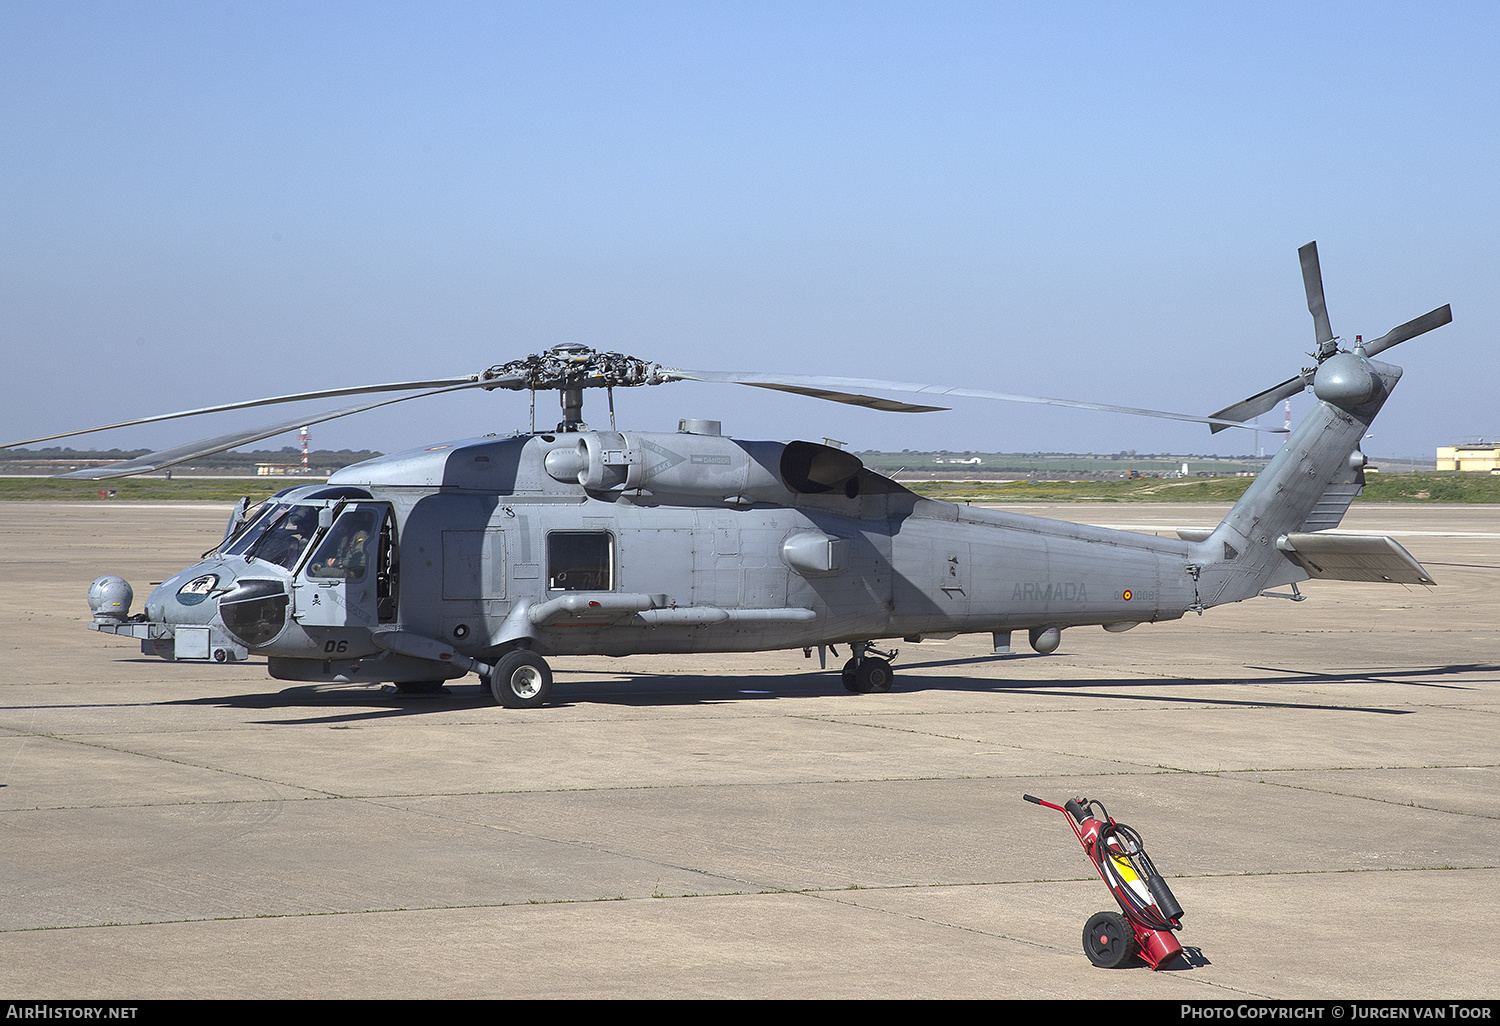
[[196, 590]]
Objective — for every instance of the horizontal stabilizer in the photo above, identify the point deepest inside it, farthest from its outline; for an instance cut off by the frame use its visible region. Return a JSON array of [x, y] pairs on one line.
[[1354, 557]]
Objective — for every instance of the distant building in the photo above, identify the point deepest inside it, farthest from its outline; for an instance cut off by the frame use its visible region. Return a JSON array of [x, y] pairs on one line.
[[1479, 457], [278, 469]]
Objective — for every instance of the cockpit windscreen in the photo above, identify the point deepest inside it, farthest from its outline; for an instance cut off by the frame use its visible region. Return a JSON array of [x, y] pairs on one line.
[[287, 538]]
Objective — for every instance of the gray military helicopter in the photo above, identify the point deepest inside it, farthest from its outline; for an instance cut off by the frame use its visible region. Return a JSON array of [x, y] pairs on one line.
[[490, 554]]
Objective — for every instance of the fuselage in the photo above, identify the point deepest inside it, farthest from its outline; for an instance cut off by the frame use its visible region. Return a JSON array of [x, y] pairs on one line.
[[614, 544]]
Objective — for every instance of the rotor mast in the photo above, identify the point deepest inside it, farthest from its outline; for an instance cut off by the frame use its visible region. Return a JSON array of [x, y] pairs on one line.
[[572, 407]]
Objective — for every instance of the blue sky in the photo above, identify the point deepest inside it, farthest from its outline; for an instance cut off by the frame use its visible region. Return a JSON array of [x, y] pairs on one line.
[[204, 203]]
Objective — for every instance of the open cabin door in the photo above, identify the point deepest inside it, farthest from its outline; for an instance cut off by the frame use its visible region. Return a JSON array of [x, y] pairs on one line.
[[350, 580]]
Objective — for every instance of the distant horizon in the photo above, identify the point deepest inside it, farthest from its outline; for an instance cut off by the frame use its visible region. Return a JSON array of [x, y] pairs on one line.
[[287, 450]]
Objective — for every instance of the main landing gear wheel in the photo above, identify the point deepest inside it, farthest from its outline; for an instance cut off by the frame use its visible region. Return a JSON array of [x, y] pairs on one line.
[[1108, 940], [849, 684], [522, 680], [868, 675]]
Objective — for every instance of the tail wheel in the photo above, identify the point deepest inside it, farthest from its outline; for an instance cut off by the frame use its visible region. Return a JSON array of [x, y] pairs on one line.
[[1108, 940], [522, 680]]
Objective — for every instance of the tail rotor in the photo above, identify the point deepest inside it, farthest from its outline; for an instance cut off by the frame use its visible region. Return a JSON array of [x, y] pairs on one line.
[[1327, 344]]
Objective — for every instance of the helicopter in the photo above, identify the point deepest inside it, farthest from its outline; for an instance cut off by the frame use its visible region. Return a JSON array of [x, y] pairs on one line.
[[489, 555]]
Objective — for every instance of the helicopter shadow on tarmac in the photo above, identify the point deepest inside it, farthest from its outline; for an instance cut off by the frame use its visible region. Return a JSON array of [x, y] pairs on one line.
[[647, 689], [1150, 690], [350, 703]]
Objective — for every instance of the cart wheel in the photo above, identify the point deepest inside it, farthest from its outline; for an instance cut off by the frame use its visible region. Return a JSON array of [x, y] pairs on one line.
[[1108, 940]]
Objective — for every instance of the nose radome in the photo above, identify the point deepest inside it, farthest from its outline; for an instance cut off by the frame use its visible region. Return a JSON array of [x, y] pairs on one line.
[[187, 597]]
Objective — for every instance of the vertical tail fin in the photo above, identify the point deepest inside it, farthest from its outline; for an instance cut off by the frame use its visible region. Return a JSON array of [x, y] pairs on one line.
[[1307, 486]]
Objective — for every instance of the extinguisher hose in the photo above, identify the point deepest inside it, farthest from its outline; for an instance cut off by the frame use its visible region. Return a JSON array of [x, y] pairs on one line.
[[1166, 913]]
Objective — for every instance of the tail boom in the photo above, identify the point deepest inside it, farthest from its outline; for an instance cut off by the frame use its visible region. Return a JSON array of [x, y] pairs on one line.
[[1245, 554]]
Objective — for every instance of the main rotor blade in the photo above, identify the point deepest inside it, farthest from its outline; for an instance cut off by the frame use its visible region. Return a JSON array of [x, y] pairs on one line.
[[1261, 402], [1411, 329], [832, 388], [872, 402], [445, 384], [1312, 281], [164, 458], [812, 386]]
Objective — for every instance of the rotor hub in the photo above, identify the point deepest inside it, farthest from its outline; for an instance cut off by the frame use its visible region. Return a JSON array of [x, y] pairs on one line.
[[570, 368], [574, 366], [1346, 380]]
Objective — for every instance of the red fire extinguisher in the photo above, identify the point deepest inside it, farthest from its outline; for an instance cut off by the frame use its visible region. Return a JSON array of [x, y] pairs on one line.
[[1151, 912]]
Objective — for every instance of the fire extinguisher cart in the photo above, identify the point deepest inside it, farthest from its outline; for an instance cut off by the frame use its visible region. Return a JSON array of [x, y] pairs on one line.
[[1151, 912]]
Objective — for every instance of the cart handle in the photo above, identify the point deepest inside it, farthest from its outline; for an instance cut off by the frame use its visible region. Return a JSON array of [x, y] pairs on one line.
[[1075, 807]]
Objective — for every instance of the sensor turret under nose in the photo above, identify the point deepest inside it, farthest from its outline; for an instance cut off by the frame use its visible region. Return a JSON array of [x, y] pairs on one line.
[[110, 598]]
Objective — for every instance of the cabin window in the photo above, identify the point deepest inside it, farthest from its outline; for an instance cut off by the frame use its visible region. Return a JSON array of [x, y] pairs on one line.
[[580, 561], [387, 572], [345, 550]]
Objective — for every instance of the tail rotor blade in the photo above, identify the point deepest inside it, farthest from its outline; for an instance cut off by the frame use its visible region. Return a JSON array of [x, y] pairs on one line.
[[1411, 329], [1261, 402], [1312, 281]]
